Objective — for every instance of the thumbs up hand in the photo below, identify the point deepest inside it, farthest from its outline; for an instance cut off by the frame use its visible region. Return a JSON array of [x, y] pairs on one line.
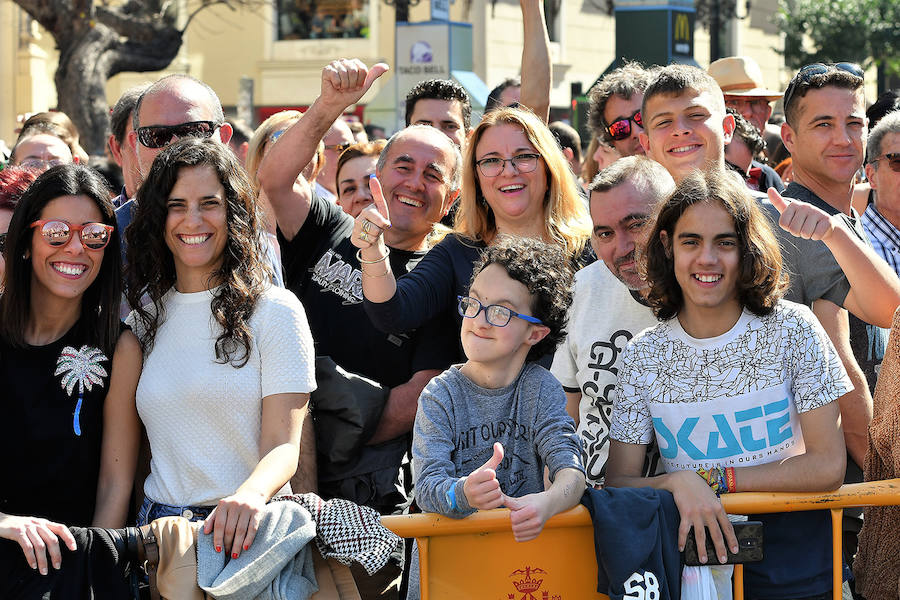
[[345, 81], [481, 487], [802, 219]]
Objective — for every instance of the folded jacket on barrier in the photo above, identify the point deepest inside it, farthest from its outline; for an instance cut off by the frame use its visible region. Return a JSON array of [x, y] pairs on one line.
[[636, 541]]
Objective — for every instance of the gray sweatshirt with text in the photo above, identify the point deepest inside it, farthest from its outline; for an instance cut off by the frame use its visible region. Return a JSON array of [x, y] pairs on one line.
[[457, 423]]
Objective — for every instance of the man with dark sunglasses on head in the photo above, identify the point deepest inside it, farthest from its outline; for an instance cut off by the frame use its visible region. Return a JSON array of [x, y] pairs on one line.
[[615, 108], [881, 221]]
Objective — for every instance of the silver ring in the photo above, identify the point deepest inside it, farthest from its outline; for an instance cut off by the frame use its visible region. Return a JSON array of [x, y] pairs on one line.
[[364, 236], [366, 226]]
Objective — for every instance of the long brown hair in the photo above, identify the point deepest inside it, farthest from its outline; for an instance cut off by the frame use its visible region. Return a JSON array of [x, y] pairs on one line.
[[761, 280], [243, 275]]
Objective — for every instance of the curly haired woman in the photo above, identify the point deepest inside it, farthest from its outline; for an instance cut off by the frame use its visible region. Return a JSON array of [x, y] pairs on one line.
[[227, 357]]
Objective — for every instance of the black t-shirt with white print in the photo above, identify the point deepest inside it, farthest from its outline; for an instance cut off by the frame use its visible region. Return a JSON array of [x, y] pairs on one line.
[[52, 428], [320, 266]]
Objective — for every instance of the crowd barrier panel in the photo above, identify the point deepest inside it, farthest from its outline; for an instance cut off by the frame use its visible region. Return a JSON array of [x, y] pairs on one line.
[[477, 557]]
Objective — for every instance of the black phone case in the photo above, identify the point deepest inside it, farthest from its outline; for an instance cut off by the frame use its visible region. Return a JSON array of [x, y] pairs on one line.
[[750, 546]]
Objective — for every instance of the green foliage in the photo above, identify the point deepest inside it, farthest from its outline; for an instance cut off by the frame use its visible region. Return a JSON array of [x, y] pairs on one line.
[[862, 31]]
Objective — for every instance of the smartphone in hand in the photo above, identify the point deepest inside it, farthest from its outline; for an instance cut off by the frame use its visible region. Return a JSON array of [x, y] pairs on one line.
[[749, 536]]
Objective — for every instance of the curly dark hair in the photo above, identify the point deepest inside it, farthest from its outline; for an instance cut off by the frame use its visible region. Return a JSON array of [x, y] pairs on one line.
[[98, 324], [746, 131], [243, 275], [439, 89], [545, 270], [761, 280]]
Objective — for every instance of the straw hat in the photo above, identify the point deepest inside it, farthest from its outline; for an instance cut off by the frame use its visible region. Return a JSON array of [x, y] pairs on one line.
[[741, 76]]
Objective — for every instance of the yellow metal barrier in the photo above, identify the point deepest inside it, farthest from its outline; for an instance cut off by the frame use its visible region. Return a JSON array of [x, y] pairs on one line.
[[477, 557]]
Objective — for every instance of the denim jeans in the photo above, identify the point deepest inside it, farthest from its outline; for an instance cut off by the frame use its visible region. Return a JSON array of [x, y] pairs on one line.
[[150, 511]]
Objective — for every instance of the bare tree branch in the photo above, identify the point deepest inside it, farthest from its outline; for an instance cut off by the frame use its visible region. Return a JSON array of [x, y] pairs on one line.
[[100, 38]]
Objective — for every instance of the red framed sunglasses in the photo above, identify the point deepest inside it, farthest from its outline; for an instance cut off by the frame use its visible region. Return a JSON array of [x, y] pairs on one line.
[[621, 129], [93, 236]]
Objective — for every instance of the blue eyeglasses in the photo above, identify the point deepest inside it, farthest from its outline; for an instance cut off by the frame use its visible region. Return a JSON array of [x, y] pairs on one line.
[[810, 71], [494, 314]]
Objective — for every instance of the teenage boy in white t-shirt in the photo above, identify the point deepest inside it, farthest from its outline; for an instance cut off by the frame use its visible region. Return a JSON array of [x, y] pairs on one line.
[[738, 386]]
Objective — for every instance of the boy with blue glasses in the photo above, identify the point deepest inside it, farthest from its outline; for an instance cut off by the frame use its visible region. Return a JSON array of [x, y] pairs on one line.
[[485, 430]]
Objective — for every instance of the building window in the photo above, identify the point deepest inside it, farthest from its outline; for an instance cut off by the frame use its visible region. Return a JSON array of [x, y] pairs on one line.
[[322, 19]]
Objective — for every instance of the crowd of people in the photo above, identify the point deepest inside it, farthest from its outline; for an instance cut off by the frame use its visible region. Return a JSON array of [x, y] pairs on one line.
[[464, 316]]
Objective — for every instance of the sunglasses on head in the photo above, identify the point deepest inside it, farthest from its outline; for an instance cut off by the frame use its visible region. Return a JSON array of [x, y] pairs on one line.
[[621, 129], [158, 136], [93, 236], [893, 159], [810, 71]]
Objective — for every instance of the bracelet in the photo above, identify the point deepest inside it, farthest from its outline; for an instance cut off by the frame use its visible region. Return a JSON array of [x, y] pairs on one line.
[[730, 480], [718, 479], [451, 497], [371, 262]]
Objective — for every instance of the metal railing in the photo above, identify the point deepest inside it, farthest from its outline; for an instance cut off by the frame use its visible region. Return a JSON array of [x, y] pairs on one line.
[[430, 527]]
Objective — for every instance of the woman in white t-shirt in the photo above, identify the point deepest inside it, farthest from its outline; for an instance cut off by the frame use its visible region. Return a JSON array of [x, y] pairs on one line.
[[227, 356]]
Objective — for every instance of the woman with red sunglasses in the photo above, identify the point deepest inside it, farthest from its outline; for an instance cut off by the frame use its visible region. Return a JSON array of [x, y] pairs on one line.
[[69, 434]]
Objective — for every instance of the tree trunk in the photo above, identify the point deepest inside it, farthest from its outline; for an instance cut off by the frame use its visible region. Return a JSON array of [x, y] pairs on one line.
[[86, 65], [96, 42], [81, 86]]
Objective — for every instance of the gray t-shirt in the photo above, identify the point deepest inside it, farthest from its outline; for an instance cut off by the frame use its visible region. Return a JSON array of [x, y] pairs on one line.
[[457, 423], [816, 274]]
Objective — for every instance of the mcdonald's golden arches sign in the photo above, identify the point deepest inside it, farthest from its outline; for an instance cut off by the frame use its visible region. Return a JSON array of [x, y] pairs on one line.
[[682, 33]]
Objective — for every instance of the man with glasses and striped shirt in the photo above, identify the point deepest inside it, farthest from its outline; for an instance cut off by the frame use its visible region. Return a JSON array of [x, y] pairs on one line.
[[881, 221]]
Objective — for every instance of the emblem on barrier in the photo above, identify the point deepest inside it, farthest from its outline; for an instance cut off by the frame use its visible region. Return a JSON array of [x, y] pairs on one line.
[[528, 586]]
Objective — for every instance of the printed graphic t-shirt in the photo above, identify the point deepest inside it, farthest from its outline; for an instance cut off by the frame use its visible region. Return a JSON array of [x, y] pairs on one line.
[[321, 268], [603, 318], [52, 428], [735, 400]]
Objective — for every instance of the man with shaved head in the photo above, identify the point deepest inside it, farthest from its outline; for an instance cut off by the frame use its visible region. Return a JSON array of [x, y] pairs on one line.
[[174, 107]]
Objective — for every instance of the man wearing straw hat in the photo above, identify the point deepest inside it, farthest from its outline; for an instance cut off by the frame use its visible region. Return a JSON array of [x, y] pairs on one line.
[[741, 81]]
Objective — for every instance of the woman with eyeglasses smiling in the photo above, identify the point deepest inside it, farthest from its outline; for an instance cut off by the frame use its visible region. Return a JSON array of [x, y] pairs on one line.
[[70, 432], [516, 182]]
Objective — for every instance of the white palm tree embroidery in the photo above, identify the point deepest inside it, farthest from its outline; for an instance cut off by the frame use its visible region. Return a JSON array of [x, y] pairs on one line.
[[82, 367]]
